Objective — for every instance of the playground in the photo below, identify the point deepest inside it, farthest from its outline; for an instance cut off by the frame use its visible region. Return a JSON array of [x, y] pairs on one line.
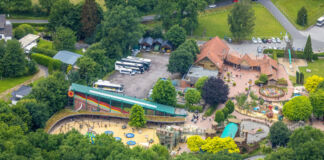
[[119, 129]]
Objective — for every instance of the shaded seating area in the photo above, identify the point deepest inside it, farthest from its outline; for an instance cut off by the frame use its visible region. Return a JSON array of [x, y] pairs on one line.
[[157, 45]]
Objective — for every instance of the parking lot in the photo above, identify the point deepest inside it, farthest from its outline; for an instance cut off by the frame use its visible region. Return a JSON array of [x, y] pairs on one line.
[[139, 85]]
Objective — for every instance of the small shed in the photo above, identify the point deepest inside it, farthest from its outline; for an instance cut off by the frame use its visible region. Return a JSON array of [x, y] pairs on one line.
[[28, 42], [147, 42], [20, 93], [157, 44], [67, 57], [166, 46]]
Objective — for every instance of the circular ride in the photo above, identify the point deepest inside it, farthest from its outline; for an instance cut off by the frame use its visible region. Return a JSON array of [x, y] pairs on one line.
[[117, 138], [271, 91], [131, 143], [130, 135]]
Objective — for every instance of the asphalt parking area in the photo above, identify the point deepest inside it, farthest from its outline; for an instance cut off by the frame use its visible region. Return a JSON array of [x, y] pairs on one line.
[[139, 85]]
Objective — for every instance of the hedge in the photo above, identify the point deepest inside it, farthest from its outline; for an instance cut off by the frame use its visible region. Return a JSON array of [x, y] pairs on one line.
[[193, 108], [281, 53], [46, 61], [44, 51]]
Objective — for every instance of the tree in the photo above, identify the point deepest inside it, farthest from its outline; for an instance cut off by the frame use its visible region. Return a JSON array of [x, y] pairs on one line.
[[215, 91], [65, 14], [317, 101], [180, 61], [279, 134], [162, 151], [47, 4], [310, 150], [190, 46], [89, 69], [308, 51], [219, 117], [241, 20], [166, 14], [230, 106], [302, 17], [176, 35], [281, 154], [218, 144], [200, 83], [319, 86], [225, 112], [121, 30], [90, 17], [22, 30], [99, 56], [195, 142], [164, 92], [13, 62], [298, 108], [18, 6], [297, 77], [263, 78], [312, 83], [301, 81], [110, 4], [51, 91], [222, 155], [192, 96], [64, 39], [137, 116]]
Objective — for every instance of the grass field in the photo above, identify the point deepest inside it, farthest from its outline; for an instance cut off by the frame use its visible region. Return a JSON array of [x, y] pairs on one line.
[[215, 23], [45, 44], [315, 9], [100, 2], [316, 68], [11, 82]]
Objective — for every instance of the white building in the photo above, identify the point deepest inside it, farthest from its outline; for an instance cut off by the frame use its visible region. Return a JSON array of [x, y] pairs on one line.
[[28, 42]]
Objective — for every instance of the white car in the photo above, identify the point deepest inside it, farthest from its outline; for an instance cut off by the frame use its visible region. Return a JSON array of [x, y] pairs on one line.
[[273, 40], [254, 40], [212, 6], [259, 40], [278, 40]]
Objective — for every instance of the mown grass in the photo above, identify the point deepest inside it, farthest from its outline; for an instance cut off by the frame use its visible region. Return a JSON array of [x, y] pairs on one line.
[[290, 8], [100, 2], [214, 23], [315, 67], [7, 83], [45, 44]]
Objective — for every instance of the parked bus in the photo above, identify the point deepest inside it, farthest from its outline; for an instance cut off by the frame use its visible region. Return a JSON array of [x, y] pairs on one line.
[[135, 67], [148, 61], [107, 86], [126, 71], [145, 64], [320, 21]]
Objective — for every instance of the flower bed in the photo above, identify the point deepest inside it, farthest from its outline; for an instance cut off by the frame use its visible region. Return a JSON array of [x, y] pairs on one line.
[[271, 92]]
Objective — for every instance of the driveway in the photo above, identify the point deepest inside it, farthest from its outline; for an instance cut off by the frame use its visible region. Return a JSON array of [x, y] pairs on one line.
[[139, 85], [299, 37]]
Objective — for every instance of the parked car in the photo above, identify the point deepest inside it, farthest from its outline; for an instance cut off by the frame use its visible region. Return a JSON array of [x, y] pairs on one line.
[[278, 40], [254, 40], [259, 40], [259, 49], [269, 47], [269, 40], [264, 40], [273, 40], [212, 6]]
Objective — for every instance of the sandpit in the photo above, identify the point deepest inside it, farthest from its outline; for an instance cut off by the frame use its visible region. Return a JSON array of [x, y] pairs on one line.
[[99, 126]]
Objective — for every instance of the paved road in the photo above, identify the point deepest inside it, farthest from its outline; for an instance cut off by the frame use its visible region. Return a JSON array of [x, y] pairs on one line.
[[298, 38], [28, 20]]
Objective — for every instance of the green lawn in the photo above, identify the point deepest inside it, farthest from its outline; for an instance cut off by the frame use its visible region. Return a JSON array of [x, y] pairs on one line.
[[316, 68], [215, 23], [315, 9], [11, 82], [100, 2], [45, 44]]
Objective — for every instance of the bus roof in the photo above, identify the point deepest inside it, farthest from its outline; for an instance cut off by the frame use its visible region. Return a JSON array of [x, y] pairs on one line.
[[128, 63], [140, 59], [107, 83]]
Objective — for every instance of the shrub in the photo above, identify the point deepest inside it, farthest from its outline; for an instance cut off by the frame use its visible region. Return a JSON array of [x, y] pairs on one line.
[[263, 78], [193, 108], [180, 105], [253, 96], [282, 81], [234, 84], [47, 52], [210, 111], [257, 82], [240, 99], [46, 61]]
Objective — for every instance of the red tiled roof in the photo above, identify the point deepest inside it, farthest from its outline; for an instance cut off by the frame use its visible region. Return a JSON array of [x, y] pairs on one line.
[[215, 50]]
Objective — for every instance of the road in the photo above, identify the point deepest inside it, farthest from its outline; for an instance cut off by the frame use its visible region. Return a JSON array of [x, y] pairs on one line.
[[39, 21], [299, 39]]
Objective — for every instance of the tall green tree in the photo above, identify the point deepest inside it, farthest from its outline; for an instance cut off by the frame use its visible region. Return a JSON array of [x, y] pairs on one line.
[[90, 17], [308, 51], [64, 13], [241, 20], [317, 101], [180, 61], [113, 3], [13, 61], [137, 116], [64, 39], [18, 6], [166, 14], [121, 30], [164, 92], [298, 108], [230, 106], [22, 30], [89, 69], [176, 35], [99, 56], [192, 96], [302, 17], [200, 83], [279, 134], [219, 117], [47, 4]]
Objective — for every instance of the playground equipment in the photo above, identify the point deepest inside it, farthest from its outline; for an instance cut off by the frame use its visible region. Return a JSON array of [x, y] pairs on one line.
[[130, 135], [91, 137], [109, 132], [290, 66], [131, 143], [117, 138]]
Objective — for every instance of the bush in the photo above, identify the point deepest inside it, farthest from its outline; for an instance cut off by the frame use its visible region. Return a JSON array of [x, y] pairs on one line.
[[281, 53], [193, 108], [257, 82], [46, 52], [234, 84], [46, 61], [253, 96], [210, 111], [22, 30], [180, 105]]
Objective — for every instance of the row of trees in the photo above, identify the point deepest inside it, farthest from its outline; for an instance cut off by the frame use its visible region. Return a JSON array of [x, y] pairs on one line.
[[221, 115]]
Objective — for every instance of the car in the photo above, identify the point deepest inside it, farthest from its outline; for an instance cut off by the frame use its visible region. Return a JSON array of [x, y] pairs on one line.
[[212, 6], [264, 40], [278, 40], [269, 47], [273, 40], [259, 40], [259, 49], [269, 40], [278, 48], [254, 40], [275, 47]]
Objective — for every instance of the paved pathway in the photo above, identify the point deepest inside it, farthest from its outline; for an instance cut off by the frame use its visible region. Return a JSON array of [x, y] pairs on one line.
[[28, 21], [41, 73], [298, 38]]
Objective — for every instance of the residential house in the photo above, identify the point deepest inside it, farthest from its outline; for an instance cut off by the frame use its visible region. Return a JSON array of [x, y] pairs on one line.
[[20, 93], [28, 42], [67, 57], [5, 28]]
